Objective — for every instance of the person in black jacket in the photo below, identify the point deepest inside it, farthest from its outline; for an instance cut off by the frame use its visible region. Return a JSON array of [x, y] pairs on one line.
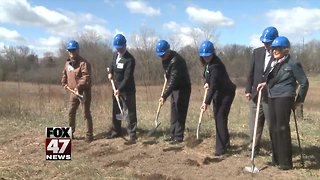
[[122, 71], [281, 80], [221, 92], [179, 87], [261, 59]]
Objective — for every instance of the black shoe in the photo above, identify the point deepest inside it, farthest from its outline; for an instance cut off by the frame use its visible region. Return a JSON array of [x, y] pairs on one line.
[[168, 139], [113, 135], [131, 141], [176, 141], [219, 153]]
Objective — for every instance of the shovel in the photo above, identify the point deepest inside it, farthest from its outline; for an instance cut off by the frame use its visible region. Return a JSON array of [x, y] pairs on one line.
[[156, 122], [253, 168], [201, 113], [296, 124], [123, 112]]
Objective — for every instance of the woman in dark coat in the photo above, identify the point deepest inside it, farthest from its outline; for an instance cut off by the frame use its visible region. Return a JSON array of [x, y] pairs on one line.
[[221, 92], [281, 81]]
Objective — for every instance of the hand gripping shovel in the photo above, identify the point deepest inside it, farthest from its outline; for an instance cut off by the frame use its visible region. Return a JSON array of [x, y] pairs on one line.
[[79, 96], [253, 168], [156, 122], [201, 113], [123, 112]]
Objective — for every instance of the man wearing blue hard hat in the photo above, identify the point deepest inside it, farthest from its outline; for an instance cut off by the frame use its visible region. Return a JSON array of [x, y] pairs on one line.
[[76, 76], [261, 59], [179, 87], [122, 72]]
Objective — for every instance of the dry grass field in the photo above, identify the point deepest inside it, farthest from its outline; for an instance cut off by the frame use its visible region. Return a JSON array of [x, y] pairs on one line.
[[26, 109]]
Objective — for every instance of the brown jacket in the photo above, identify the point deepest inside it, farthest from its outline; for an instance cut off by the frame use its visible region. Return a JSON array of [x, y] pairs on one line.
[[77, 74]]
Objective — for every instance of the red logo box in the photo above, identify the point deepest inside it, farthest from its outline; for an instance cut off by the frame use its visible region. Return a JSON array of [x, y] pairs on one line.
[[58, 143]]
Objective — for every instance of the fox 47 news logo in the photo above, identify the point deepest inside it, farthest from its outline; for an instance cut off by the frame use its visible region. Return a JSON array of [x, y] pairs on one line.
[[58, 143]]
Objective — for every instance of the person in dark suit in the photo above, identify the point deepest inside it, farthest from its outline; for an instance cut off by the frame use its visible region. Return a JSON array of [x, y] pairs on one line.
[[122, 71], [281, 81], [179, 87], [261, 59], [221, 92]]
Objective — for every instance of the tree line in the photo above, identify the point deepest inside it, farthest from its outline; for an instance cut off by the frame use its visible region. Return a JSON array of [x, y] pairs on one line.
[[20, 63]]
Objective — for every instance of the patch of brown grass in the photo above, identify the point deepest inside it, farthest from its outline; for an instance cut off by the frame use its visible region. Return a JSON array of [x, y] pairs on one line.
[[28, 108]]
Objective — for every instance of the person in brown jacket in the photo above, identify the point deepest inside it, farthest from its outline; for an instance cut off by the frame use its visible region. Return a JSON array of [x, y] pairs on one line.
[[76, 75]]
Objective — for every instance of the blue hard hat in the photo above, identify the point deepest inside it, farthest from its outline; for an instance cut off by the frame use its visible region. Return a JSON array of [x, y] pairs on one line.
[[206, 48], [119, 41], [280, 41], [269, 34], [72, 44], [161, 47]]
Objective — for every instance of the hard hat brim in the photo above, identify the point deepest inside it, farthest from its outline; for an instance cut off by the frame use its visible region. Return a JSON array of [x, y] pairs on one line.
[[118, 46], [160, 53], [265, 40], [71, 48], [205, 54]]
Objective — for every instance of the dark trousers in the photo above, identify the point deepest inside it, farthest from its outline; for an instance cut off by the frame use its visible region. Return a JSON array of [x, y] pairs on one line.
[[221, 110], [263, 116], [280, 110], [179, 109], [74, 104], [130, 101]]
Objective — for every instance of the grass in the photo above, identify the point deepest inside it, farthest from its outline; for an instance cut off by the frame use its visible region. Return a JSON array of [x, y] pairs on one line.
[[26, 110]]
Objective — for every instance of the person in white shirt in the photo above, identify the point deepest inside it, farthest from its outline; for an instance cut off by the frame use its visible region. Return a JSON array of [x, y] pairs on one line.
[[261, 59]]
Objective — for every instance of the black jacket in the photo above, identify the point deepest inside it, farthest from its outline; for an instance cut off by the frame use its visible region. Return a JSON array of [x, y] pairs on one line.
[[177, 74], [123, 73], [256, 72], [218, 79], [282, 80]]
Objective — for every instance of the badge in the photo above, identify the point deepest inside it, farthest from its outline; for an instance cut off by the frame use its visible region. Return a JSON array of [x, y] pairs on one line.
[[70, 68], [120, 65]]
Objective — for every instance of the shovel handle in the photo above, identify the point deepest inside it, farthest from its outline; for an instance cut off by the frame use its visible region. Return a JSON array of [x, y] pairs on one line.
[[201, 112], [114, 90], [160, 105], [255, 127], [164, 84]]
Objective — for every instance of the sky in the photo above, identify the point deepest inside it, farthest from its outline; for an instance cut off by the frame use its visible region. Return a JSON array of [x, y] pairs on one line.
[[43, 25]]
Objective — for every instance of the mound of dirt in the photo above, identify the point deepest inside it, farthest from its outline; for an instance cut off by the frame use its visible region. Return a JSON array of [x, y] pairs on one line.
[[154, 176], [175, 149], [118, 163], [208, 160], [191, 162], [192, 141], [150, 142], [104, 151]]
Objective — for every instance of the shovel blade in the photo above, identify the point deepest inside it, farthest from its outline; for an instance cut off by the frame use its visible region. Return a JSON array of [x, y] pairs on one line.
[[119, 117], [123, 109], [152, 131], [122, 116], [251, 169]]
